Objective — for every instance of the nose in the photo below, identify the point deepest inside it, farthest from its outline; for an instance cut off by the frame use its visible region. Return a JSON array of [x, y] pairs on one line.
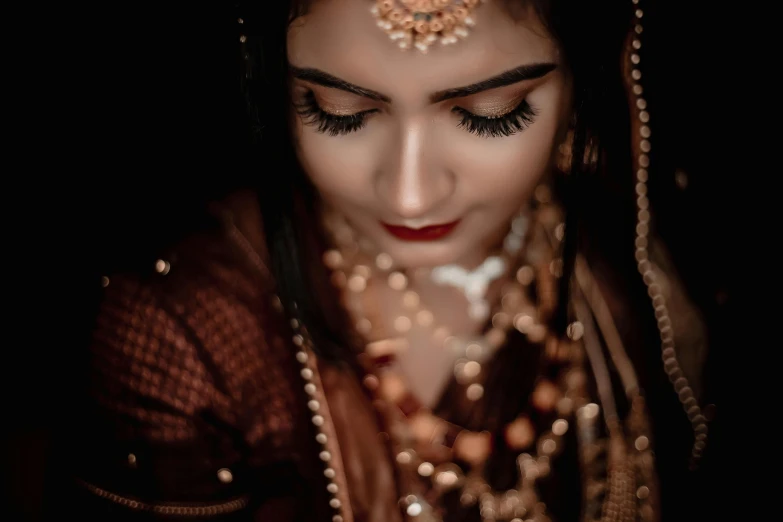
[[413, 182]]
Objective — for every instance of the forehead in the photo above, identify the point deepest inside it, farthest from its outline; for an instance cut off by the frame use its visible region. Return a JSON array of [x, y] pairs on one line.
[[342, 38]]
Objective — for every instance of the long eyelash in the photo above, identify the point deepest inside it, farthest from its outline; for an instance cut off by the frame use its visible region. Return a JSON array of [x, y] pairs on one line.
[[515, 121], [313, 114]]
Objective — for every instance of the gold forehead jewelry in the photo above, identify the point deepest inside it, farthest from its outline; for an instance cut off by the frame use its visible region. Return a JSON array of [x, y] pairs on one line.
[[420, 23]]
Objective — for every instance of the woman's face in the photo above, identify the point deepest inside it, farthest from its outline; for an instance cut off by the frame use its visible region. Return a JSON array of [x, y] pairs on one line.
[[428, 155]]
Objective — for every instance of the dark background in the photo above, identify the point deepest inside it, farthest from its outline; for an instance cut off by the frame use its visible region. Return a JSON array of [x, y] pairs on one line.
[[134, 121]]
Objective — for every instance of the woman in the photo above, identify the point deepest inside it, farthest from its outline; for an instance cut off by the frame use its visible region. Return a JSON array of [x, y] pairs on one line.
[[418, 314]]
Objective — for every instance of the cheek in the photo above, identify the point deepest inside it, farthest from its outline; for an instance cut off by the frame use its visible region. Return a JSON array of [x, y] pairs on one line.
[[504, 171], [508, 170], [340, 167]]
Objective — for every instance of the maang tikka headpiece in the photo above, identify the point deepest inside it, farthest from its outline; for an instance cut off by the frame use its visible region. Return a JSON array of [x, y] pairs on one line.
[[421, 23]]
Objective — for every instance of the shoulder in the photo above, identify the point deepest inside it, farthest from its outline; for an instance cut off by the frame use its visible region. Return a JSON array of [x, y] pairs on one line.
[[197, 330], [189, 375], [191, 402]]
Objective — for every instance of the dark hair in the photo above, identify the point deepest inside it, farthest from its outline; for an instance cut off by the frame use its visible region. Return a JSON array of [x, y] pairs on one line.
[[591, 37]]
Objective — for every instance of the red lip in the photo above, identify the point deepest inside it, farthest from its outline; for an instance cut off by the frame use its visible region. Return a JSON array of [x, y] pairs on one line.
[[430, 233]]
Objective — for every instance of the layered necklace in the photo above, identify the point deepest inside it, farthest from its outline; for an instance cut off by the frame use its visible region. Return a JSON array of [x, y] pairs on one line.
[[436, 457]]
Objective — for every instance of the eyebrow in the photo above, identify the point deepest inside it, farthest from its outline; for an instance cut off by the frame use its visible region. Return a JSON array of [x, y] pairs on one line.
[[522, 73], [510, 77], [327, 80]]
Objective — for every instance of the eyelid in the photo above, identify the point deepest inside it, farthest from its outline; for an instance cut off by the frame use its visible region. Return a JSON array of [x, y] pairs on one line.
[[495, 103], [349, 114], [500, 109], [342, 113], [491, 111], [338, 102]]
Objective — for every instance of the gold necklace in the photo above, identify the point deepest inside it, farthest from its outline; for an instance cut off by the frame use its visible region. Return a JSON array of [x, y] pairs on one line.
[[623, 496], [438, 437]]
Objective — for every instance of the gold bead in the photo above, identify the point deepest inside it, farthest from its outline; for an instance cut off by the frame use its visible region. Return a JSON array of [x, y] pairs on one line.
[[425, 469], [473, 447], [520, 433], [402, 324], [474, 392], [559, 427], [395, 15], [404, 457], [421, 27], [392, 388], [362, 270], [525, 275], [473, 350], [410, 299], [523, 322], [545, 396], [357, 283], [397, 281], [500, 320], [471, 369], [383, 261], [424, 318], [363, 326], [548, 446]]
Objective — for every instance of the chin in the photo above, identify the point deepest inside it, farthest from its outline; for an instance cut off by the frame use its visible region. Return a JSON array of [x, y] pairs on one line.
[[426, 255]]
